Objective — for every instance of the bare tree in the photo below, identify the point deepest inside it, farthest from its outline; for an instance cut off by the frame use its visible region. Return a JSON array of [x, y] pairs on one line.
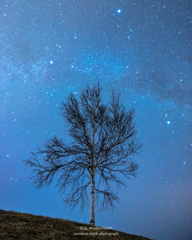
[[103, 142]]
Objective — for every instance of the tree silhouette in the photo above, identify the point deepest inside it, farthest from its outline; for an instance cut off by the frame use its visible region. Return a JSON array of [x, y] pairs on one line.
[[103, 142]]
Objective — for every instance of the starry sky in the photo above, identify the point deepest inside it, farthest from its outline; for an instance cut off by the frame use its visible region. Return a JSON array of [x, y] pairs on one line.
[[141, 47]]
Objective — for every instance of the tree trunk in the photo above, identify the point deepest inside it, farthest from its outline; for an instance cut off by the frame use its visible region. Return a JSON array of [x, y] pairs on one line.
[[92, 222]]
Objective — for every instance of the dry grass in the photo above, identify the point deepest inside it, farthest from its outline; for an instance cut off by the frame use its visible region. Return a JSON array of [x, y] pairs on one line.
[[22, 226]]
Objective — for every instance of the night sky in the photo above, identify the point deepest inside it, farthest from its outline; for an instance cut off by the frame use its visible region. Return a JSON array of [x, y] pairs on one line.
[[141, 47]]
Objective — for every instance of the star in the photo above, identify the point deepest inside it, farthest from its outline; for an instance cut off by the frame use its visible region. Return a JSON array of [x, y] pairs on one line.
[[119, 10]]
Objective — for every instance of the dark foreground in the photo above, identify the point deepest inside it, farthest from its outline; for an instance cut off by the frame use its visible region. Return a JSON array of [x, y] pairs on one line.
[[22, 226]]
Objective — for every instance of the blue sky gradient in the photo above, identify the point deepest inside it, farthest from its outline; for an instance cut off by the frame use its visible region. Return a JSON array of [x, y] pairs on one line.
[[142, 48]]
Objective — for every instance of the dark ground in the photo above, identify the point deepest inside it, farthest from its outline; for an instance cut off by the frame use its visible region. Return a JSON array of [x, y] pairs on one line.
[[22, 226]]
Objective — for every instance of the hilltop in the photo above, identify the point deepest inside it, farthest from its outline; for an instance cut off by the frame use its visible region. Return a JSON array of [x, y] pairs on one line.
[[23, 226]]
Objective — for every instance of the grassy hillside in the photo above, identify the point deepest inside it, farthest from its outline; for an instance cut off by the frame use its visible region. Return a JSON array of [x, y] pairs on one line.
[[22, 226]]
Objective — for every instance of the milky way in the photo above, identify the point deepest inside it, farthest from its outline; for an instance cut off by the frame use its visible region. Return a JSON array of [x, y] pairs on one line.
[[142, 48]]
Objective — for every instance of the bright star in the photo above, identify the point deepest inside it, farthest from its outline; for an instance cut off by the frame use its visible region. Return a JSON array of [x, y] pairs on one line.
[[51, 62], [168, 122], [119, 10]]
